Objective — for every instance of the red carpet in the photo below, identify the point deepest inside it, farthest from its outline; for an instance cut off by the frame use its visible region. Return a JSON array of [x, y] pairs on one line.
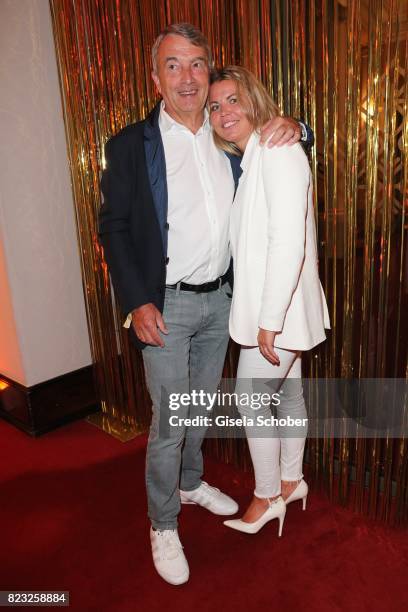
[[73, 517]]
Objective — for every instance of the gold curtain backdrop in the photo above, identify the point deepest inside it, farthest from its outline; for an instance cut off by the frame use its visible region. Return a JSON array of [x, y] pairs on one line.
[[341, 65]]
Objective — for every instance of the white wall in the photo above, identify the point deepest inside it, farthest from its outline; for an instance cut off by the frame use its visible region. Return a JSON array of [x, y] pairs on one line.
[[40, 279]]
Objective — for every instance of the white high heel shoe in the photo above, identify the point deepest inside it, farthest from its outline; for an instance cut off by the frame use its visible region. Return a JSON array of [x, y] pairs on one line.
[[277, 509], [300, 492]]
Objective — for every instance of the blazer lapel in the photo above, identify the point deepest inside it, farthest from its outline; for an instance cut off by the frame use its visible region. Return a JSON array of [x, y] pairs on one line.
[[156, 170]]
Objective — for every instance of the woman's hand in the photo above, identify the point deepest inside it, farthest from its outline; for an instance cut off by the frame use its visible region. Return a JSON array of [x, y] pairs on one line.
[[266, 341]]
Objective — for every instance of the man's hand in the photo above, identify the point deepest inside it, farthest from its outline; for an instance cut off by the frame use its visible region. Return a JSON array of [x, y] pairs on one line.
[[280, 131], [266, 341], [146, 321]]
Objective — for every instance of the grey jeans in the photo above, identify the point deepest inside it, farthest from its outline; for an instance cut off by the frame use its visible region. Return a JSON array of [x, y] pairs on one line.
[[192, 359]]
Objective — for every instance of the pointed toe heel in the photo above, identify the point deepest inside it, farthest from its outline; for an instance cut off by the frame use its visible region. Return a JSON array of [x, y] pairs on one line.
[[276, 509]]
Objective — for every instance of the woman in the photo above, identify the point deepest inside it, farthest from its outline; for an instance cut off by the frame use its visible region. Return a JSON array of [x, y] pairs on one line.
[[278, 308]]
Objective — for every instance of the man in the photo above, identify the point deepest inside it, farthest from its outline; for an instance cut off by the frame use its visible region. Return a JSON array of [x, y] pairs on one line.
[[164, 229]]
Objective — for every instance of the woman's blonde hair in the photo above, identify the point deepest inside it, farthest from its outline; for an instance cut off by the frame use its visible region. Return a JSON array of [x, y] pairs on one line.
[[256, 102]]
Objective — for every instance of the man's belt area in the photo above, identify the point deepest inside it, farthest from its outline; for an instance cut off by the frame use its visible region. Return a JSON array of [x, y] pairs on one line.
[[203, 288]]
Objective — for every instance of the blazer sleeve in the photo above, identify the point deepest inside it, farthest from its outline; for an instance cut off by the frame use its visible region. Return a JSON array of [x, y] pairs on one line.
[[114, 226], [286, 178]]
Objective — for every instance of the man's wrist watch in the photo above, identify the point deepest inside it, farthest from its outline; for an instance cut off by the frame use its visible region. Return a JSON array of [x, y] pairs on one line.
[[304, 131]]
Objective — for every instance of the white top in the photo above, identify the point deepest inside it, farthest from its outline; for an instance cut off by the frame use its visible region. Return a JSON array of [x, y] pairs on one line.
[[200, 191], [273, 243]]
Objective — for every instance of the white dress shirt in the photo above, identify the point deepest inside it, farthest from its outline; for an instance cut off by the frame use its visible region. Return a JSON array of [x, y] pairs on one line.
[[200, 188], [273, 243]]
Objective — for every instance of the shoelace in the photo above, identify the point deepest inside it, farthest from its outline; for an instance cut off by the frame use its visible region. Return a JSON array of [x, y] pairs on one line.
[[210, 489], [170, 545]]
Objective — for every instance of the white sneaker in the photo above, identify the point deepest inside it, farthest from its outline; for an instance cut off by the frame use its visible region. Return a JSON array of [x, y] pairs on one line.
[[168, 557], [210, 498]]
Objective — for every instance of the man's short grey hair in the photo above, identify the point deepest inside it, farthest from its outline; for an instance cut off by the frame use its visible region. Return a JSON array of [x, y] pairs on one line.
[[187, 31]]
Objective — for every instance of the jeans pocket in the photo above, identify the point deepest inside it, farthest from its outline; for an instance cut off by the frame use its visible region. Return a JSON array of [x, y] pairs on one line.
[[226, 289]]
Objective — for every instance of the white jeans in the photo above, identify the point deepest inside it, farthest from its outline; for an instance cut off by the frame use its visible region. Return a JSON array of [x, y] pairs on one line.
[[275, 455]]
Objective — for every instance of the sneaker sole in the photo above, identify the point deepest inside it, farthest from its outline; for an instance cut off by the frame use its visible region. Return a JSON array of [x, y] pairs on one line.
[[174, 582], [228, 513]]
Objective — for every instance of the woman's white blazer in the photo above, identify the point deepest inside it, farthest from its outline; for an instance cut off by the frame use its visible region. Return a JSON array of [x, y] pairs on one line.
[[273, 243]]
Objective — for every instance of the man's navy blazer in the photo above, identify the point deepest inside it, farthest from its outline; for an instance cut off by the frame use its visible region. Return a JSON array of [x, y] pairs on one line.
[[133, 225]]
